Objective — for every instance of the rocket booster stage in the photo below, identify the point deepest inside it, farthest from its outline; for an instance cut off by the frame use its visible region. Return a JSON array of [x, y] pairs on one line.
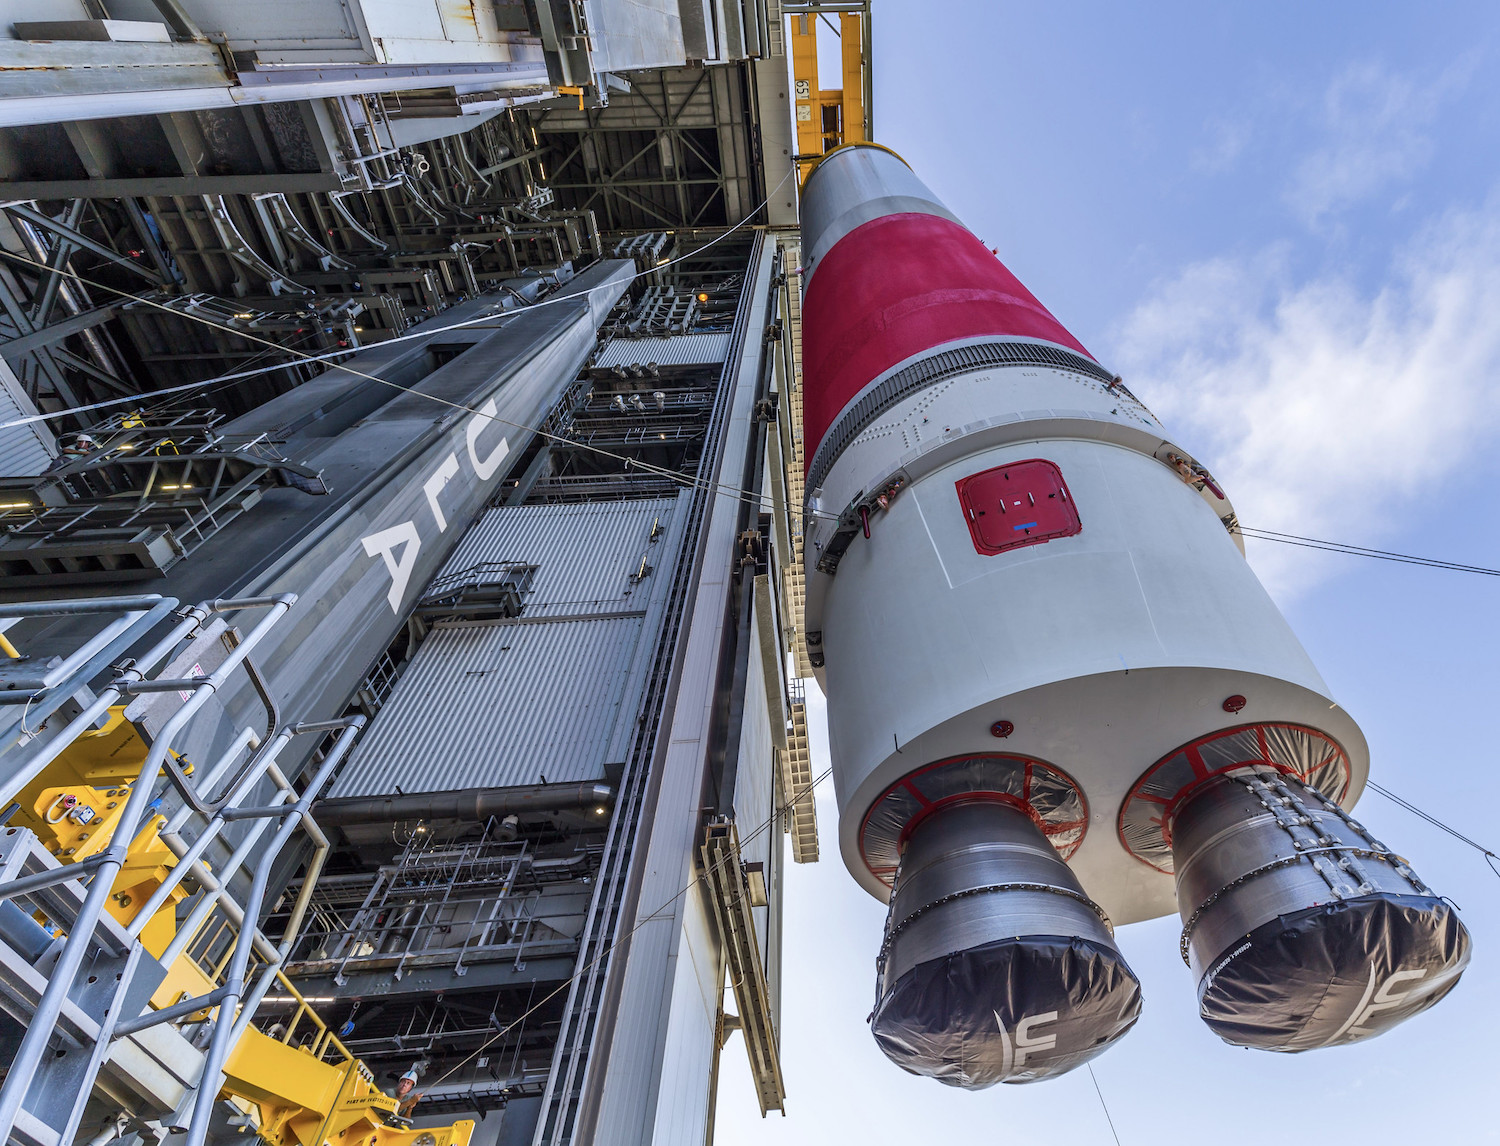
[[1058, 698]]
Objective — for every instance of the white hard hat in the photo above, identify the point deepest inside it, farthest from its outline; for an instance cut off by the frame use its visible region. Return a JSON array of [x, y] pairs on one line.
[[411, 1074]]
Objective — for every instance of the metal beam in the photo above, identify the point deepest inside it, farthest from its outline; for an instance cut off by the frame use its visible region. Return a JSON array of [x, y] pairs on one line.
[[169, 185], [48, 368], [78, 239], [57, 331], [176, 18], [97, 373], [513, 161], [545, 966], [57, 260]]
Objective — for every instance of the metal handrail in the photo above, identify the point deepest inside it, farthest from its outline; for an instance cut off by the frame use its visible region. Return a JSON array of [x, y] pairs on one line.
[[325, 1037], [224, 1028], [81, 935]]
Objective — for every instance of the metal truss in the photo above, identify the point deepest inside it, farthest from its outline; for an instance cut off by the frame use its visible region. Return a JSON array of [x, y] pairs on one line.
[[155, 490], [75, 1004], [615, 417], [269, 232], [672, 152]]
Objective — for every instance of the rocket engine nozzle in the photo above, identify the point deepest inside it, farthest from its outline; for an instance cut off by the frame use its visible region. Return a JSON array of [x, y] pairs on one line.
[[1302, 930], [996, 966]]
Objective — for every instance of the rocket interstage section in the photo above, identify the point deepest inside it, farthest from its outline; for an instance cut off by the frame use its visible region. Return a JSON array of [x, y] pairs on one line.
[[1044, 654]]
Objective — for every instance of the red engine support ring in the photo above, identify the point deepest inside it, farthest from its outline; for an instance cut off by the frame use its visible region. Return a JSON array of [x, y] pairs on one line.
[[1053, 799], [1144, 825]]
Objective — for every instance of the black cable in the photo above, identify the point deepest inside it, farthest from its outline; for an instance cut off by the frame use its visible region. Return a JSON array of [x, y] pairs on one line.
[[1360, 550], [682, 478], [1113, 1132], [1489, 857]]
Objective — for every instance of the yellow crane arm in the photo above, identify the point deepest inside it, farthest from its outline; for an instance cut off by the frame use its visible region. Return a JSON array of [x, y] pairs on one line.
[[303, 1101]]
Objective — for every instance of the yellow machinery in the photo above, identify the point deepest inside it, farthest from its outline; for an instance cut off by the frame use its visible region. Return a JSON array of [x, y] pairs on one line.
[[73, 806], [825, 119], [301, 1087], [299, 1099]]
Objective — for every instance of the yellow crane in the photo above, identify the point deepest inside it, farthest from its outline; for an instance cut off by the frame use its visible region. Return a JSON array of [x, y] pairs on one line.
[[828, 118]]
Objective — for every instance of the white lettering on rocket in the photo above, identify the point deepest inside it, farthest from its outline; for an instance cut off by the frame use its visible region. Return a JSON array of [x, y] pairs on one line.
[[1014, 1057], [399, 545], [384, 543], [434, 486], [485, 467], [1374, 1001]]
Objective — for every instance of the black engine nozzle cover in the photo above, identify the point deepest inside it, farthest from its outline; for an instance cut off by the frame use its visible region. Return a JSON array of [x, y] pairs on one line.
[[1015, 1010], [1335, 973], [996, 966], [1303, 930]]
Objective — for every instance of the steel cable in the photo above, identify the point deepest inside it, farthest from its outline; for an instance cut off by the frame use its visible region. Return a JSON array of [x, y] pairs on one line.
[[1360, 550], [1115, 1134], [681, 478], [1490, 857], [304, 357]]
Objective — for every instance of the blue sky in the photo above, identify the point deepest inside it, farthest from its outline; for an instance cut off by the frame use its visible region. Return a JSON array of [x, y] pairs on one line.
[[1281, 223]]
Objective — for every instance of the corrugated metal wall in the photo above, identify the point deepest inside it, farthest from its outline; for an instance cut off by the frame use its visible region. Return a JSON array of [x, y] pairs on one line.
[[24, 450], [587, 554], [491, 704], [664, 350], [754, 786]]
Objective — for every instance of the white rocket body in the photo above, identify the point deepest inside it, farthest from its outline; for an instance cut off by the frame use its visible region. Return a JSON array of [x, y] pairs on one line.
[[1019, 589], [1105, 650]]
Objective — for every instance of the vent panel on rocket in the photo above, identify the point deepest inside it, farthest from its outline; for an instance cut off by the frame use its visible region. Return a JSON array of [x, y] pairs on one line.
[[1124, 628]]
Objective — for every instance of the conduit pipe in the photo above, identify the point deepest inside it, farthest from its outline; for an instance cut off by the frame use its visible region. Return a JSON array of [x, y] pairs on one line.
[[470, 805]]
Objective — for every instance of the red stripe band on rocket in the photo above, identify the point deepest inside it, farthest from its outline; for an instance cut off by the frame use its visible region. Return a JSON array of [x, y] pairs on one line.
[[896, 286]]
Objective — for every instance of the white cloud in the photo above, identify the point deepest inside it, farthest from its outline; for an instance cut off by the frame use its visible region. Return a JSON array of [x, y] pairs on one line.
[[1227, 141], [1323, 409], [1376, 128]]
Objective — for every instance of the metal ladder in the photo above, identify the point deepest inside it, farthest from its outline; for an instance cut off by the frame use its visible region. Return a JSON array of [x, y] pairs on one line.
[[75, 981]]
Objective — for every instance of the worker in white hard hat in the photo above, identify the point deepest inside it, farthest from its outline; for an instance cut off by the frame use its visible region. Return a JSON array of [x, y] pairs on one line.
[[71, 448], [406, 1094]]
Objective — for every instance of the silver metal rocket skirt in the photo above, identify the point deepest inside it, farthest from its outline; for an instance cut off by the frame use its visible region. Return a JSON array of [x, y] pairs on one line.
[[996, 966], [1302, 930]]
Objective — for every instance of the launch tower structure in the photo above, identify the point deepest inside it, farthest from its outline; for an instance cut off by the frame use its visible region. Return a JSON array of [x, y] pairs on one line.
[[406, 516], [463, 338]]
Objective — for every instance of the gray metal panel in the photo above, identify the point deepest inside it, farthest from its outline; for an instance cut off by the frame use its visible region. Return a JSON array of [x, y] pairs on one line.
[[754, 787], [587, 555], [698, 39], [670, 350], [24, 450], [500, 703], [316, 547], [773, 97], [631, 34], [488, 705]]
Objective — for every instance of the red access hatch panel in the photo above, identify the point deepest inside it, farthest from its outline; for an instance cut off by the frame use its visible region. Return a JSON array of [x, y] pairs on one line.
[[1024, 503]]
